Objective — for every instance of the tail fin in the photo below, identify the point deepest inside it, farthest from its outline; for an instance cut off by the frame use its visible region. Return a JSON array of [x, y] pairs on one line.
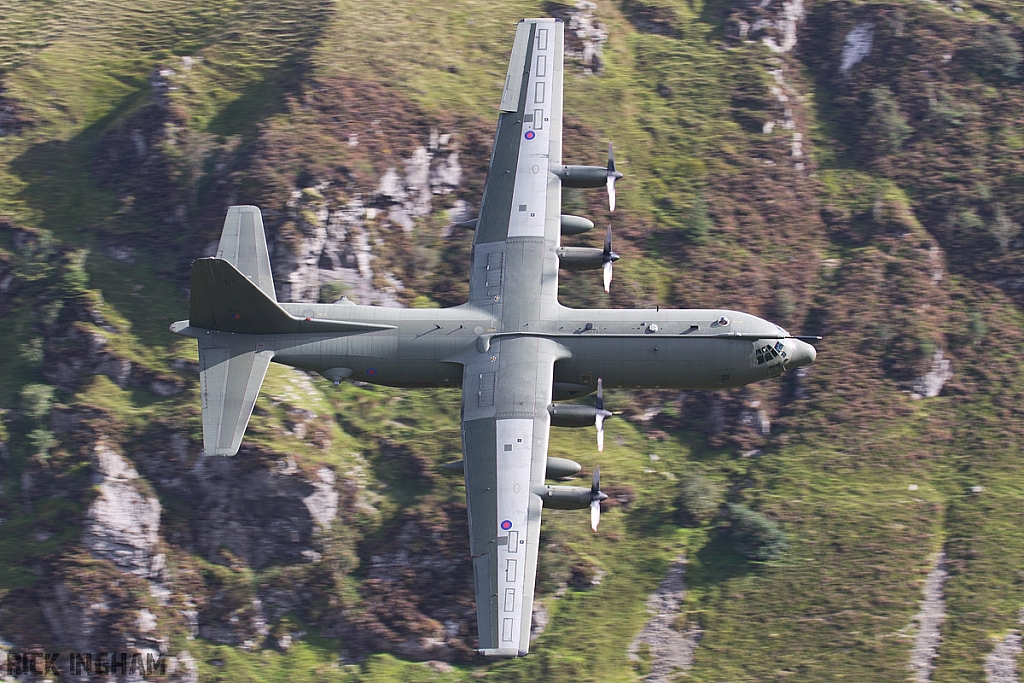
[[225, 300], [233, 312], [243, 244]]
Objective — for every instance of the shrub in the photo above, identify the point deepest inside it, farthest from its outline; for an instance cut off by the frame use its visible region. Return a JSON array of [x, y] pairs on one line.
[[698, 500], [995, 54], [754, 535], [945, 110], [1003, 229], [886, 129], [698, 221], [31, 352], [332, 291], [42, 441], [36, 400], [75, 278]]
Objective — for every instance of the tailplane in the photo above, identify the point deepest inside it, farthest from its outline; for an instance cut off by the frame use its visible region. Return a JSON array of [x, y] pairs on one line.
[[234, 314], [230, 377]]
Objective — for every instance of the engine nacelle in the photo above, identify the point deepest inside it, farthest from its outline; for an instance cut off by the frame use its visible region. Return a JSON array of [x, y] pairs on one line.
[[565, 497], [576, 225], [559, 468], [582, 176], [572, 415], [580, 258], [571, 225]]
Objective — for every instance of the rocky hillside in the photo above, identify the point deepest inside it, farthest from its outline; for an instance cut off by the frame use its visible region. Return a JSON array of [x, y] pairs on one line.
[[847, 168]]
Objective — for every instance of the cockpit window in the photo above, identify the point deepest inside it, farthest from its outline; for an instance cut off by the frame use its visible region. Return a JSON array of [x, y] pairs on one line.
[[769, 353]]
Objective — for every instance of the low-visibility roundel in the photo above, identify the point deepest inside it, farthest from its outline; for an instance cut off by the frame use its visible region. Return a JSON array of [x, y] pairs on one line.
[[506, 525], [530, 135]]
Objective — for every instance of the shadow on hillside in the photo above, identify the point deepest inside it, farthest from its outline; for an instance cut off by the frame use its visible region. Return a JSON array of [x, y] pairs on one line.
[[113, 190], [59, 183]]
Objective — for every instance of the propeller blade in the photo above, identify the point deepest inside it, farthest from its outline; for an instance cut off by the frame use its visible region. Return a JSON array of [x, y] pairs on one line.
[[596, 496], [599, 422], [600, 432], [613, 175], [610, 257]]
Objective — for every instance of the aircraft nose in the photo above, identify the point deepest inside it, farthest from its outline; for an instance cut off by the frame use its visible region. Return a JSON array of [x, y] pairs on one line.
[[800, 353]]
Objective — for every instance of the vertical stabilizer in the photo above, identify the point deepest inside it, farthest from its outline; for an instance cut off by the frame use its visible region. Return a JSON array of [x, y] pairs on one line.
[[243, 244]]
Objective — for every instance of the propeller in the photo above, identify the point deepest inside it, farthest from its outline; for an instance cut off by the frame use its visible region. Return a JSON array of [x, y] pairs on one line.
[[596, 496], [613, 175], [610, 257], [601, 415]]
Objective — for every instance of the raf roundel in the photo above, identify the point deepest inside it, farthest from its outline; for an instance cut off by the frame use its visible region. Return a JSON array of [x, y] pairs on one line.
[[530, 135], [506, 525], [371, 371]]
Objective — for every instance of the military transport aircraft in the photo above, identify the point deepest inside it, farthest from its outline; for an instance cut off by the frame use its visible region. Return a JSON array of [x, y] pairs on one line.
[[512, 348]]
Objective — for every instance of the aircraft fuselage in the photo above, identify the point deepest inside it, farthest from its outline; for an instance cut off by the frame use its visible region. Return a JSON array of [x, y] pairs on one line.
[[634, 348]]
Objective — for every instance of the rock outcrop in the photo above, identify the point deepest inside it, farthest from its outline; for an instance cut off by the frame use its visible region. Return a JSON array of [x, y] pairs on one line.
[[670, 649], [772, 22], [929, 622], [324, 236], [122, 524], [1001, 663], [930, 384], [585, 35], [257, 506], [856, 46]]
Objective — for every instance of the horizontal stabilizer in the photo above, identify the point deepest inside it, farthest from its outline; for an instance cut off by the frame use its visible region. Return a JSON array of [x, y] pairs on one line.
[[229, 381], [225, 300]]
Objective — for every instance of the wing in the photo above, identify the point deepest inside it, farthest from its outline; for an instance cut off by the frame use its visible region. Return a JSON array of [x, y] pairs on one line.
[[519, 224], [507, 385], [506, 391]]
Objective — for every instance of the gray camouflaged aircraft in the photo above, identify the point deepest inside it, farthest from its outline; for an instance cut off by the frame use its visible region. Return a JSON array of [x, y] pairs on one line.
[[512, 348]]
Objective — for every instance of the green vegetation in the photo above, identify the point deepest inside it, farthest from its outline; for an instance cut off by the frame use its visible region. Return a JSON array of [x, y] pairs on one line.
[[699, 499], [886, 128], [755, 536], [896, 232]]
